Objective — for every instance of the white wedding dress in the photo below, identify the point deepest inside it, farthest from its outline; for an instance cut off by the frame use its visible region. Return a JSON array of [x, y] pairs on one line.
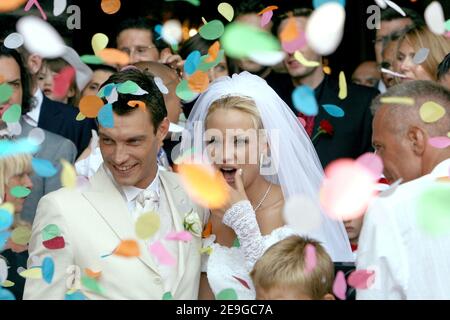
[[229, 268]]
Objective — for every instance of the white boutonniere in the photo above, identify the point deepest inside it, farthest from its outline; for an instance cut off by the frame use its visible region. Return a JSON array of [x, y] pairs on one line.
[[192, 223]]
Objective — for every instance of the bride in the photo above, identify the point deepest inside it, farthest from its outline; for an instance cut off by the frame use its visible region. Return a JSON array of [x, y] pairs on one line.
[[266, 157]]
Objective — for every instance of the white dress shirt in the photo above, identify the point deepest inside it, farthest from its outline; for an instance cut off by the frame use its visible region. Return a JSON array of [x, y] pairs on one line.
[[32, 116], [409, 263]]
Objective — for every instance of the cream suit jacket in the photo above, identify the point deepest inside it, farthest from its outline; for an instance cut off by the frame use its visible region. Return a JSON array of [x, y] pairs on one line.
[[92, 222]]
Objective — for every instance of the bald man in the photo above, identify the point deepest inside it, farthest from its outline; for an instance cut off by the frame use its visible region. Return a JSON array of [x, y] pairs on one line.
[[367, 74], [409, 262]]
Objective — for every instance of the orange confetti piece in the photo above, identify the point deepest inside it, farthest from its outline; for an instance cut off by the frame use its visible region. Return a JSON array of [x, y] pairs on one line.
[[204, 184], [10, 5], [114, 56], [110, 6], [92, 274], [269, 8], [290, 31], [213, 51], [128, 248], [199, 81], [90, 106], [137, 103], [208, 230]]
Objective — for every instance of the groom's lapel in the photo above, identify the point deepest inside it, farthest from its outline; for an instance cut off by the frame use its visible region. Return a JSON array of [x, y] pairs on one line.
[[178, 204]]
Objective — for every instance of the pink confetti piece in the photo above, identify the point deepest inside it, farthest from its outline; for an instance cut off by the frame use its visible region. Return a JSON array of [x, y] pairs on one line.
[[310, 258], [266, 17], [179, 236], [297, 44], [30, 3], [361, 279], [372, 162], [439, 142], [243, 282], [340, 286], [160, 252], [62, 81]]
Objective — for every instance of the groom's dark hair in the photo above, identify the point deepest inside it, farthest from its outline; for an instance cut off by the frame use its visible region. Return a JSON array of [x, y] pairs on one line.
[[153, 100]]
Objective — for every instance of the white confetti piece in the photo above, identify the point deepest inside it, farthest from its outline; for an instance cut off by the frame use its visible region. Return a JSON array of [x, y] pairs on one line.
[[13, 41]]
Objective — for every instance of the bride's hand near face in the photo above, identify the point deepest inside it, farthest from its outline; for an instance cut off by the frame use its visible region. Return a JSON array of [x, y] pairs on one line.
[[235, 194]]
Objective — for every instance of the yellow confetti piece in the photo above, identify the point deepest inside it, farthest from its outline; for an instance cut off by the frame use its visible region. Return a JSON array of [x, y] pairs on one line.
[[342, 86], [431, 111], [398, 100], [301, 58], [80, 116], [448, 134], [207, 250], [147, 225], [21, 235], [68, 175], [33, 273], [99, 42], [8, 206], [226, 10], [7, 284], [327, 70]]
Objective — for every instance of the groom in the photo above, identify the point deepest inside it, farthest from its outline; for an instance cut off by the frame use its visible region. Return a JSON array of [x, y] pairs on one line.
[[83, 229]]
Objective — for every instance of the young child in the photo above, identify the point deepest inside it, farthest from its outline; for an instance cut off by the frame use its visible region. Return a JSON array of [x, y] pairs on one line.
[[353, 228], [282, 272]]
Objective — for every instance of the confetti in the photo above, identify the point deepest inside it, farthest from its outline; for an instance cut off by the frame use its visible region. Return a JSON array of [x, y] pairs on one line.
[[6, 92], [92, 274], [205, 65], [334, 110], [99, 42], [20, 192], [106, 90], [392, 73], [68, 174], [433, 209], [184, 92], [50, 231], [318, 3], [212, 30], [193, 2], [421, 55], [381, 3], [297, 44], [391, 190], [434, 17], [113, 56], [243, 282], [105, 116], [90, 106], [77, 295], [23, 145], [48, 269], [204, 184], [267, 58], [3, 271], [11, 5], [192, 62], [199, 81], [371, 162], [226, 10], [55, 243], [431, 111], [110, 6], [398, 100], [439, 142], [59, 6], [172, 32], [147, 225], [213, 52], [305, 101], [227, 294], [265, 19], [91, 284], [267, 9], [160, 84], [162, 255], [6, 295], [396, 7], [310, 258], [40, 37], [7, 284], [12, 114], [179, 236], [13, 40], [62, 81], [290, 31], [90, 59], [4, 235], [167, 296], [347, 189], [325, 28], [6, 219], [32, 273], [43, 168], [342, 86], [36, 3], [127, 248], [361, 279], [136, 103], [80, 117], [127, 87], [302, 214], [300, 58], [37, 135], [21, 235], [340, 286]]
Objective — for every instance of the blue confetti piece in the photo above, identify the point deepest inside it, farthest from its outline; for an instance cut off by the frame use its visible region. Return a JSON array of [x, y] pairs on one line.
[[318, 3], [5, 294], [158, 31], [48, 269], [6, 219], [4, 236], [43, 168], [23, 145], [334, 110], [192, 62], [305, 101], [106, 90], [105, 116], [77, 295]]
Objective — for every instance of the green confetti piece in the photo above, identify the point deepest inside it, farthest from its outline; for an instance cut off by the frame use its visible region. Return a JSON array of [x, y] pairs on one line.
[[127, 87], [236, 243], [50, 231], [184, 92], [433, 209], [193, 2], [227, 294], [20, 191], [12, 114], [90, 59], [447, 25], [205, 66], [240, 40], [212, 30], [167, 296], [6, 92], [91, 284]]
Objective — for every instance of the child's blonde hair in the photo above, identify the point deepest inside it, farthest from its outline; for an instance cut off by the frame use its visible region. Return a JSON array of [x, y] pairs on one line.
[[283, 266]]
